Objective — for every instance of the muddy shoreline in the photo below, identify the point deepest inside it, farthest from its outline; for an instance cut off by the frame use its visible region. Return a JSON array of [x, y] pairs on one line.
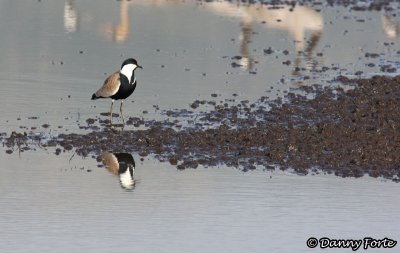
[[348, 133]]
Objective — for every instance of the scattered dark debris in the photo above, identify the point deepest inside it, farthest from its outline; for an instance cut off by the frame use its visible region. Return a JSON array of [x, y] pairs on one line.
[[114, 115], [388, 68], [90, 121], [195, 104], [371, 55], [236, 65], [268, 51]]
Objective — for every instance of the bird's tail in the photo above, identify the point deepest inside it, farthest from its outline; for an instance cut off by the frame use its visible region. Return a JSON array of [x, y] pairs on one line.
[[94, 96]]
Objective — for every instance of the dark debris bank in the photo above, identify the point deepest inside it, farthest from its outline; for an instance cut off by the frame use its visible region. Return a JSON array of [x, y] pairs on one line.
[[348, 133]]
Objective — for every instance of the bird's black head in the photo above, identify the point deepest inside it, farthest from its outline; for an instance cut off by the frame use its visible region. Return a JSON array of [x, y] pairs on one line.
[[131, 61], [128, 67]]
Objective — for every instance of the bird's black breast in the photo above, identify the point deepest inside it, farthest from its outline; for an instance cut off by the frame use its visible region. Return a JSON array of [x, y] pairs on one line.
[[125, 89], [125, 161]]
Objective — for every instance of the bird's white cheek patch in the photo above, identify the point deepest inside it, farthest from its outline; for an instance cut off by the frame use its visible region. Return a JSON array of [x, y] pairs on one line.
[[127, 70]]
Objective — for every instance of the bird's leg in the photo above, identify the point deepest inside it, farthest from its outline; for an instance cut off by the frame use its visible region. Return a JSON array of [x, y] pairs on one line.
[[112, 103], [120, 109]]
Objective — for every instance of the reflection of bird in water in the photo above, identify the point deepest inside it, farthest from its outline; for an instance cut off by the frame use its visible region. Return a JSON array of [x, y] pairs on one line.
[[297, 20], [157, 3], [119, 85], [122, 165], [120, 32], [246, 61], [308, 53], [294, 19], [70, 17], [391, 27]]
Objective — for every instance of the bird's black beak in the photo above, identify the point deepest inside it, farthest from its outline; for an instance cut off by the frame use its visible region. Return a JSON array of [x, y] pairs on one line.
[[139, 67]]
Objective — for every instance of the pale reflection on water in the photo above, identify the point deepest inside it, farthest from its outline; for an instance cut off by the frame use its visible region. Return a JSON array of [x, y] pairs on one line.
[[296, 20], [303, 24], [70, 17], [391, 25], [119, 32]]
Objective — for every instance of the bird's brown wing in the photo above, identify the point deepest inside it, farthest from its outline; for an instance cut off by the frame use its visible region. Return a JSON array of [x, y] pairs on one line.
[[111, 162], [110, 86]]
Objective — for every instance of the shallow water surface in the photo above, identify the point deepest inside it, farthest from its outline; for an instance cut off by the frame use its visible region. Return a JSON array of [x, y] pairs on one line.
[[56, 54], [52, 205]]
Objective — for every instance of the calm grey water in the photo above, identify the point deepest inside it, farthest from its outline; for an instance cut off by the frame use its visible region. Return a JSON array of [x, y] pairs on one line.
[[54, 49]]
